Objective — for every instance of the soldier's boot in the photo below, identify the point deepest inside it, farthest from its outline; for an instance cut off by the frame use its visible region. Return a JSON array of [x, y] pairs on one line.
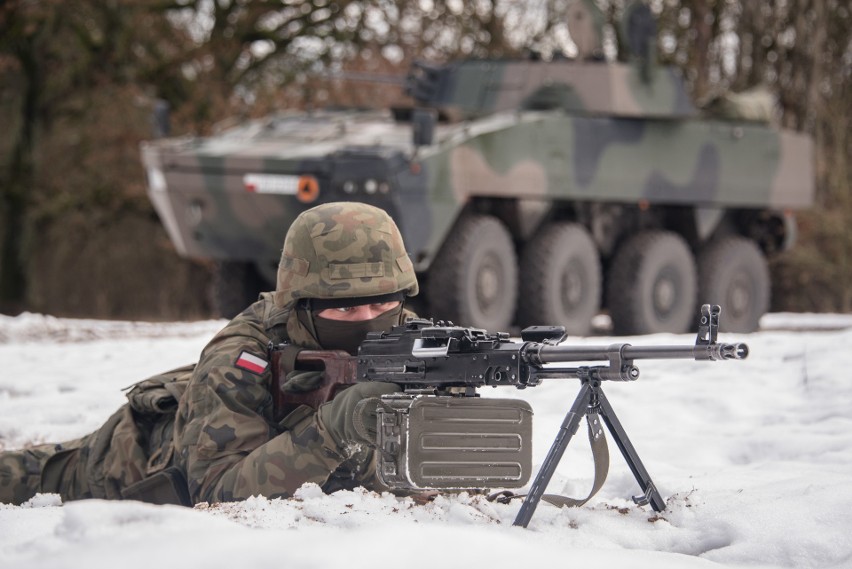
[[21, 472]]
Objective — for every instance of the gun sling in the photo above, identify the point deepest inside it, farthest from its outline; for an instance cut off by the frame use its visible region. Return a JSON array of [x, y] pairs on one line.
[[600, 455]]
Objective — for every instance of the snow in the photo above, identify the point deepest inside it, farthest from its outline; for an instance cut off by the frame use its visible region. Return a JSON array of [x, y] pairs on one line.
[[753, 457]]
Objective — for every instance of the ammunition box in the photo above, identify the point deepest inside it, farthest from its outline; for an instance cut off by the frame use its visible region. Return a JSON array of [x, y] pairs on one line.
[[442, 442]]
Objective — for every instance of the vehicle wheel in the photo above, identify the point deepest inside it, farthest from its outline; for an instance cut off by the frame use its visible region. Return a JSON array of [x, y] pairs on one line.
[[733, 274], [234, 286], [651, 286], [561, 279], [473, 281]]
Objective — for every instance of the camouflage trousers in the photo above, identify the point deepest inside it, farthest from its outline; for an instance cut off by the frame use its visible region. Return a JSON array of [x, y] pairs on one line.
[[21, 471], [135, 443], [133, 446], [98, 465]]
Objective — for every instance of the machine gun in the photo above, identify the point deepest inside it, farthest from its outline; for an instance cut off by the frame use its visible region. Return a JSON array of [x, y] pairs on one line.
[[439, 434]]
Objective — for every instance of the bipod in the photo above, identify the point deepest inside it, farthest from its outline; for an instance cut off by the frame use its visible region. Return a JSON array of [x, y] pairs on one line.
[[590, 400]]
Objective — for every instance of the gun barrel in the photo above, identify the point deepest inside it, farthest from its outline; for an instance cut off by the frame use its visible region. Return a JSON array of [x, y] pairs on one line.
[[698, 352], [562, 354]]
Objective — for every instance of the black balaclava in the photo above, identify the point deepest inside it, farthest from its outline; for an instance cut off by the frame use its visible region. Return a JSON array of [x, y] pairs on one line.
[[344, 334]]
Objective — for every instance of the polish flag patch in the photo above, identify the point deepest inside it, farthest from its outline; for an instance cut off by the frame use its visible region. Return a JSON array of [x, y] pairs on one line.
[[251, 362]]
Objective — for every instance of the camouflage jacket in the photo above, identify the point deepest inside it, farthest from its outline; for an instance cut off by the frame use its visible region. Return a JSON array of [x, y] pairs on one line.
[[226, 438], [224, 435]]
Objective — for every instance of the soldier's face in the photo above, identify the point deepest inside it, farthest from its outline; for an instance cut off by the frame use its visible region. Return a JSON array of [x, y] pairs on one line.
[[358, 313]]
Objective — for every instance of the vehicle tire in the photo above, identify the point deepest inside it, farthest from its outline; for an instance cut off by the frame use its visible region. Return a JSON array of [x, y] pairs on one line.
[[560, 279], [234, 286], [651, 286], [473, 281], [733, 273]]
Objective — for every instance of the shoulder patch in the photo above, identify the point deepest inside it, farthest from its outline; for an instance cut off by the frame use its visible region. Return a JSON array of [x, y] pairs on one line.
[[251, 362]]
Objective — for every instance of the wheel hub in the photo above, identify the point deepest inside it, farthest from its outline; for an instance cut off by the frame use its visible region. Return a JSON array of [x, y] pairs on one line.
[[739, 296], [572, 287], [665, 293], [488, 283]]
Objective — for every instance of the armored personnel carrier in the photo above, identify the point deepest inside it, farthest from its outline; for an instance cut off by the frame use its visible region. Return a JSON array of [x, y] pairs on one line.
[[528, 192]]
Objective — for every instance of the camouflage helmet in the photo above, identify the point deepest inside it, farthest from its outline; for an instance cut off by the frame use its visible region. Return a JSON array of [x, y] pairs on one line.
[[343, 250]]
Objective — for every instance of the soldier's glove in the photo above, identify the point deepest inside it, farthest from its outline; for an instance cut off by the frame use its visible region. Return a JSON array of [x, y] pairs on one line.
[[351, 417], [301, 381]]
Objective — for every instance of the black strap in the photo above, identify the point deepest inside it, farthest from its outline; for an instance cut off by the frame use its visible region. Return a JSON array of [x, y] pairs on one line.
[[323, 303], [166, 487], [289, 353]]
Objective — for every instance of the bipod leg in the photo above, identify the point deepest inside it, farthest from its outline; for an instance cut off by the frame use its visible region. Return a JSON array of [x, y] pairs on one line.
[[650, 494], [569, 427]]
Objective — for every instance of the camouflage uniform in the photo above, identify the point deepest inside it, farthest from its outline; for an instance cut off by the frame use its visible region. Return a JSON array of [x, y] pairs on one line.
[[224, 437], [133, 444]]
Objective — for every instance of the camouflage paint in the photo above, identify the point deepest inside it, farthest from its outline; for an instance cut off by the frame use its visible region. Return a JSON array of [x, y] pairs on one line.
[[663, 161], [611, 138], [471, 89]]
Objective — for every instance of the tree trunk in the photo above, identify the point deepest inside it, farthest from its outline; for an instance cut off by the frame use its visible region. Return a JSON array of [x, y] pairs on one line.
[[13, 198]]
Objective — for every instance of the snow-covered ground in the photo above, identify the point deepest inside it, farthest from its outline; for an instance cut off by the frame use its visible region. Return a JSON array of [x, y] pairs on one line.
[[753, 457]]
